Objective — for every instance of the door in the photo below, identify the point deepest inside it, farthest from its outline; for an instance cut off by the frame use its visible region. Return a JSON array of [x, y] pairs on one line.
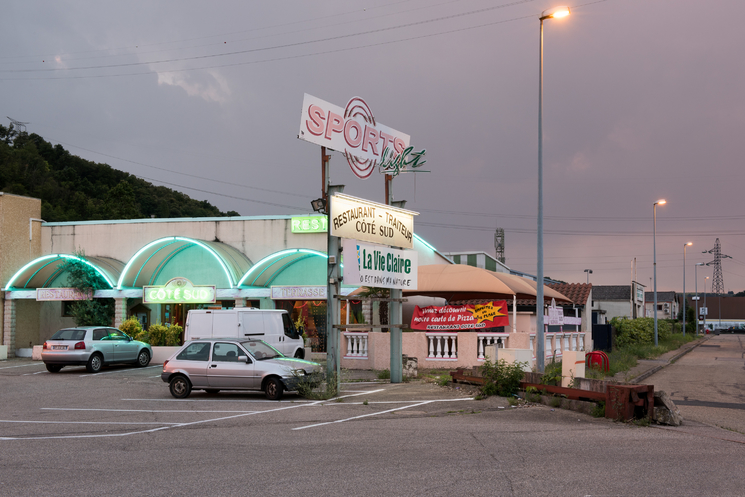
[[194, 359], [231, 368], [102, 344], [125, 350]]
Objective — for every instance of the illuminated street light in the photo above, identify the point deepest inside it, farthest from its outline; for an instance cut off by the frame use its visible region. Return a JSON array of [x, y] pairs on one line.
[[554, 13], [654, 249]]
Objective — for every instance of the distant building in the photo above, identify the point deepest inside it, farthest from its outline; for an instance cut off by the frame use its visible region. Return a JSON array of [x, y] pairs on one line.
[[667, 305], [609, 301], [478, 259]]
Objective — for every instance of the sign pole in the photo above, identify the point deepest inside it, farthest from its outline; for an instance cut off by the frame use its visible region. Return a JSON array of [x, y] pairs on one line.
[[333, 316], [395, 316]]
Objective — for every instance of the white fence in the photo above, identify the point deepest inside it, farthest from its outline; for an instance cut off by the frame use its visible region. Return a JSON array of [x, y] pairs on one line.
[[557, 343]]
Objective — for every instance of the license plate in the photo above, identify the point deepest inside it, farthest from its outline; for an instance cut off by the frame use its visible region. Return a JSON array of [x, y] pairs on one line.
[[59, 347]]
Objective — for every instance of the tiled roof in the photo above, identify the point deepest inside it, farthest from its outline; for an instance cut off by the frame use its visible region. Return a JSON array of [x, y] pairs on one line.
[[661, 296], [576, 292], [612, 292]]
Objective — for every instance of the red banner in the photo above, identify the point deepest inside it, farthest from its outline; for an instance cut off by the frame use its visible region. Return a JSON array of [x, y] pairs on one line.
[[460, 317]]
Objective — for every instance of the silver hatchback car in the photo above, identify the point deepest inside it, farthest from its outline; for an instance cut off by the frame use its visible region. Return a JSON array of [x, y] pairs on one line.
[[93, 347], [214, 364]]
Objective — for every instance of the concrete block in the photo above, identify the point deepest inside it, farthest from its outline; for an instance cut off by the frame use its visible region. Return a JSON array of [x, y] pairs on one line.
[[3, 352], [665, 411], [24, 352], [36, 353], [511, 356], [572, 366]]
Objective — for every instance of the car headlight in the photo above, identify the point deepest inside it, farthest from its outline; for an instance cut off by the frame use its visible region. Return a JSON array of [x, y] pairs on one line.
[[298, 372]]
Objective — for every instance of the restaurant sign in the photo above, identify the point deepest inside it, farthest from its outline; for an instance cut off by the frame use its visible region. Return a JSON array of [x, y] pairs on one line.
[[352, 131], [374, 265], [353, 217], [45, 294], [310, 224], [179, 291], [460, 317], [299, 293]]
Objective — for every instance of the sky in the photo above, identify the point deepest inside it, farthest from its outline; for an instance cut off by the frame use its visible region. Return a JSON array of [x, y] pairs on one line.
[[642, 101]]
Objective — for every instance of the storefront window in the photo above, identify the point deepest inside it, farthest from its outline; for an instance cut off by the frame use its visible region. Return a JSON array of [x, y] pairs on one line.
[[309, 317]]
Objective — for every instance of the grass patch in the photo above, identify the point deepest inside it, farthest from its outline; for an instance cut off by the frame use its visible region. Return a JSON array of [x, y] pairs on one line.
[[384, 374]]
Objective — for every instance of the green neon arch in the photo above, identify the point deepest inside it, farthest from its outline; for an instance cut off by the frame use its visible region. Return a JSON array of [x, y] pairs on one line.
[[51, 258], [193, 241], [256, 271]]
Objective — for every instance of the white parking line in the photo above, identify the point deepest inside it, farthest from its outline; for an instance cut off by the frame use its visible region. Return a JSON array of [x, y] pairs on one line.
[[21, 366], [377, 413], [138, 410], [152, 430], [89, 375], [38, 372], [87, 422]]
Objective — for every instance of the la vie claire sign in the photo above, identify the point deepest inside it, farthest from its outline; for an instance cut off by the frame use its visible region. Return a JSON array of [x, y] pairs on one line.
[[352, 130], [357, 218], [375, 265]]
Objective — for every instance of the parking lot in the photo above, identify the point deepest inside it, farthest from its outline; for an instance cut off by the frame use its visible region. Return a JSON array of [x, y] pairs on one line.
[[120, 431]]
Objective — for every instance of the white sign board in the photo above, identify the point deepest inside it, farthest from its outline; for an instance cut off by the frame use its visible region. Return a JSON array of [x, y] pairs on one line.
[[703, 311], [299, 293], [572, 321], [352, 130], [555, 316], [367, 221], [43, 294], [375, 265]]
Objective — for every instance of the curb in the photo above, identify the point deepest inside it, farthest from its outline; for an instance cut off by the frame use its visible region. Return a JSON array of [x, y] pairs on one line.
[[677, 356]]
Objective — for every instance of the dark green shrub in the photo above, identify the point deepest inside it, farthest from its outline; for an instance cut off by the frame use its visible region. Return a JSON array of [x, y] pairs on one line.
[[501, 378], [552, 374]]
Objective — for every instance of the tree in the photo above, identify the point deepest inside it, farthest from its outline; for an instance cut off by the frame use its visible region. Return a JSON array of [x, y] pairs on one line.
[[82, 276]]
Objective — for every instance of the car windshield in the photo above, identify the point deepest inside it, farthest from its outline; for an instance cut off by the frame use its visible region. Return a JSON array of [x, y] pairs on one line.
[[69, 334], [261, 350]]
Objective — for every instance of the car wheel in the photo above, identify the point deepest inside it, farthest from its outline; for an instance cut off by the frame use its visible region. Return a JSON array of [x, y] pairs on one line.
[[143, 358], [180, 387], [300, 354], [53, 368], [273, 389], [211, 391], [95, 363]]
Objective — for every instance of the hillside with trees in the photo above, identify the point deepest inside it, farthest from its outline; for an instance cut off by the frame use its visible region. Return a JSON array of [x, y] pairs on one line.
[[74, 189]]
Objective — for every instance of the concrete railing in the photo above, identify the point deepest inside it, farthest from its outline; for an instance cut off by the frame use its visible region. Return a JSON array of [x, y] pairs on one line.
[[356, 345], [442, 346], [484, 339]]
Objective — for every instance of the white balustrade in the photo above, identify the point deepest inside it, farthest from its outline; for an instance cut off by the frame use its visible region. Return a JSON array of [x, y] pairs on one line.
[[566, 342], [484, 339], [574, 341], [532, 347], [581, 341], [356, 345], [443, 346], [548, 346]]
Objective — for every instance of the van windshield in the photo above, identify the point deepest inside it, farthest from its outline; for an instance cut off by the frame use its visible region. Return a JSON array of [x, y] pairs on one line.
[[261, 350]]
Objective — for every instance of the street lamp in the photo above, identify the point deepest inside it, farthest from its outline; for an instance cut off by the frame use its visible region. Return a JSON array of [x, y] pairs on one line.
[[589, 272], [684, 286], [654, 250], [695, 275], [555, 13], [706, 309]]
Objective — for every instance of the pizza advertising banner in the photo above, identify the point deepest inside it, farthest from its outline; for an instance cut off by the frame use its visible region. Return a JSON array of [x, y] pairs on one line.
[[460, 317]]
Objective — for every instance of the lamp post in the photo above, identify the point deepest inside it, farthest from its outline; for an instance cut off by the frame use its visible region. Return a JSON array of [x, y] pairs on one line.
[[589, 272], [684, 286], [707, 309], [695, 275], [555, 13], [654, 253]]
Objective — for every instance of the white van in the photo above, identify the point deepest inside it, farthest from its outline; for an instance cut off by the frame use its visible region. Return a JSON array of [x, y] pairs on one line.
[[273, 326]]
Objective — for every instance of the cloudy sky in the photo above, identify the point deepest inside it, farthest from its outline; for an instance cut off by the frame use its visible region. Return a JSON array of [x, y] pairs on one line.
[[642, 101]]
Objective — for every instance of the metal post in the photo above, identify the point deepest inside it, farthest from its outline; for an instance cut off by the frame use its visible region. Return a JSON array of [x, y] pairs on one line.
[[695, 277], [707, 309], [684, 289], [654, 249], [395, 315], [540, 345], [333, 316]]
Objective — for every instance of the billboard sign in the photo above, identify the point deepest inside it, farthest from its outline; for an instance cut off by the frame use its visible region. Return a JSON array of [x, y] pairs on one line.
[[45, 294], [352, 131], [375, 265], [309, 224], [357, 218], [460, 317]]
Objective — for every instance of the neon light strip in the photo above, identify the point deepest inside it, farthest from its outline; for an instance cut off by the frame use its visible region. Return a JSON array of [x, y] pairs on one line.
[[61, 256], [134, 282], [175, 238], [276, 255], [425, 243]]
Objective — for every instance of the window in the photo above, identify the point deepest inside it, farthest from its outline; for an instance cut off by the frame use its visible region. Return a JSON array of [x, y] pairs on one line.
[[226, 352], [290, 330], [195, 352]]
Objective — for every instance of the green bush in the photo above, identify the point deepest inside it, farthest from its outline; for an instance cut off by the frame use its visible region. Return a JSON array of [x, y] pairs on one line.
[[640, 330], [131, 327], [159, 335], [501, 378], [552, 373]]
